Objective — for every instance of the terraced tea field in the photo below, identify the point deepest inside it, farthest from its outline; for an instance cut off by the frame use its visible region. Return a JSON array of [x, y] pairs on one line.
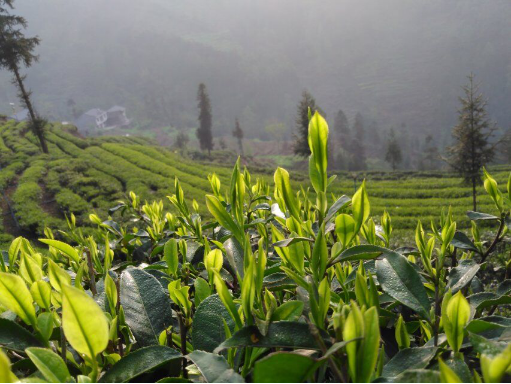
[[83, 174]]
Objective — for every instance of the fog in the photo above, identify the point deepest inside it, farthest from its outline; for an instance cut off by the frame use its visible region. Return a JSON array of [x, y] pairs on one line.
[[396, 62]]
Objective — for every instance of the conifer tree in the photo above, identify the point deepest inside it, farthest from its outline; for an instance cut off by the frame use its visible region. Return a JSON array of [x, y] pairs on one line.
[[342, 129], [393, 155], [205, 119], [472, 149], [357, 147], [430, 153], [16, 50], [238, 134], [301, 147]]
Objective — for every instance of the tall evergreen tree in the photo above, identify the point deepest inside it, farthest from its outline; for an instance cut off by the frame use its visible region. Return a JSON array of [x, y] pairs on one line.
[[357, 147], [16, 50], [301, 147], [472, 148], [342, 129], [205, 119], [393, 155], [430, 153], [238, 134]]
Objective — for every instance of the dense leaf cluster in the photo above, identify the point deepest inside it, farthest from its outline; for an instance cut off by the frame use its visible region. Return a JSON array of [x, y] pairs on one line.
[[276, 287]]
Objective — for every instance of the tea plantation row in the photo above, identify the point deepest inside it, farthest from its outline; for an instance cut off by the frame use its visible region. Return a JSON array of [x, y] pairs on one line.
[[92, 174]]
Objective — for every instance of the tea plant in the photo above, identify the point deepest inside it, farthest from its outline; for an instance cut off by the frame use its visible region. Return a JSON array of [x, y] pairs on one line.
[[281, 285]]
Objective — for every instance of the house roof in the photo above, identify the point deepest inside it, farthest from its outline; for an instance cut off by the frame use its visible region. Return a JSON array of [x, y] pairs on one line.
[[94, 112]]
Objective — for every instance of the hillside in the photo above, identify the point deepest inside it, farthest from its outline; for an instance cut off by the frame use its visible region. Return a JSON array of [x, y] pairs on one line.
[[395, 61], [93, 174]]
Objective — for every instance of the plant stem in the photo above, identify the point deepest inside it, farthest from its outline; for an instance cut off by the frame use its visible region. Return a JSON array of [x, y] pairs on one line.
[[92, 275], [335, 369], [495, 241], [63, 349], [182, 333], [120, 346], [437, 310]]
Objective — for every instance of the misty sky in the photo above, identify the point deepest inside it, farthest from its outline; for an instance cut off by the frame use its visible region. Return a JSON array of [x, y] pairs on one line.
[[396, 62]]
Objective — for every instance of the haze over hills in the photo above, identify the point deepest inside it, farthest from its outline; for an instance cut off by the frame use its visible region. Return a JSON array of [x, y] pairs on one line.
[[394, 61]]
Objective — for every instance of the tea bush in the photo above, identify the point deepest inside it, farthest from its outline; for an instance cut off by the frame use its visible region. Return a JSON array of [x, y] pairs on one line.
[[273, 285]]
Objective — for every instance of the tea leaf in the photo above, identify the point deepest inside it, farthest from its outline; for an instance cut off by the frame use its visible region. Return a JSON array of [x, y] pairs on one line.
[[85, 325]]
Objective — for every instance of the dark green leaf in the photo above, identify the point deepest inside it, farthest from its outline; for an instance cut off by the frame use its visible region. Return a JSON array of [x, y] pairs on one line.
[[418, 376], [285, 367], [504, 288], [487, 299], [360, 252], [278, 282], [208, 326], [400, 280], [409, 358], [139, 362], [146, 305], [462, 275], [485, 346], [491, 327], [480, 216], [460, 240], [214, 368], [15, 337], [234, 257], [282, 334]]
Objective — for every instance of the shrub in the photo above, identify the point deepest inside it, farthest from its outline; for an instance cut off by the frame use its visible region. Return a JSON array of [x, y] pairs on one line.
[[277, 286]]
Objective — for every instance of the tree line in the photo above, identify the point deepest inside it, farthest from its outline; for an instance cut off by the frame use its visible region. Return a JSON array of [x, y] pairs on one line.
[[473, 137]]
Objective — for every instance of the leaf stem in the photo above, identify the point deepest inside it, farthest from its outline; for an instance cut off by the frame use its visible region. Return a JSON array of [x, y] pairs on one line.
[[182, 333], [495, 241], [92, 275], [335, 369]]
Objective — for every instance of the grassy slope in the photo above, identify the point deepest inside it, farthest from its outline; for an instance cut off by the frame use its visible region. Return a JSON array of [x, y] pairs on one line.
[[80, 175]]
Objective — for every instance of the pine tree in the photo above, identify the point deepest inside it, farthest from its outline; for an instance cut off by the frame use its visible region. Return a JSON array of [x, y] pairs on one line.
[[430, 153], [238, 134], [472, 149], [205, 119], [17, 50], [393, 155], [357, 147], [301, 147], [342, 129]]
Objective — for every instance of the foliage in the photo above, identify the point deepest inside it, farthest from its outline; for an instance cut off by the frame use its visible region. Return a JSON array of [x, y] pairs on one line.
[[272, 285], [238, 134], [205, 119], [307, 105], [393, 155], [472, 149]]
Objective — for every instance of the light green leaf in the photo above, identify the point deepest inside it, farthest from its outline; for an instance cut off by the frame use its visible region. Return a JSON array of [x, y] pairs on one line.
[[345, 228], [15, 296], [85, 325], [171, 256], [285, 367], [360, 206], [283, 186], [6, 375], [66, 249], [49, 364], [41, 292]]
